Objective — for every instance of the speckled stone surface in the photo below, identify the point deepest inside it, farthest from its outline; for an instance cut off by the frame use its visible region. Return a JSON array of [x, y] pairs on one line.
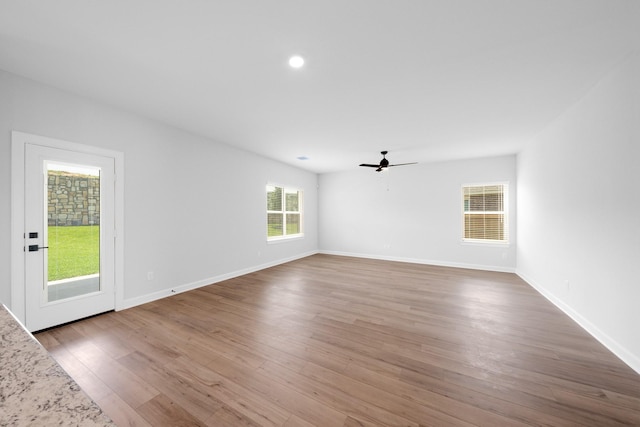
[[34, 389]]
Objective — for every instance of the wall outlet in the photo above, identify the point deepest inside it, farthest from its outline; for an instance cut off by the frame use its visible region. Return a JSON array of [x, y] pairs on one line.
[[567, 286], [150, 275]]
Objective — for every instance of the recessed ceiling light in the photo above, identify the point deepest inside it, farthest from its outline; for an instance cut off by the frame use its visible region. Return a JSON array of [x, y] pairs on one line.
[[296, 61]]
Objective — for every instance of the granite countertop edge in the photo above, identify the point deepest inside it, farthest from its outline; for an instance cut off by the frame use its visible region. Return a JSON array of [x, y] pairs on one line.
[[34, 388]]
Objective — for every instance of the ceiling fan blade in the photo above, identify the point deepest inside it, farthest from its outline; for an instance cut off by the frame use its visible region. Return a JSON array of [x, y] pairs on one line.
[[403, 164], [369, 166]]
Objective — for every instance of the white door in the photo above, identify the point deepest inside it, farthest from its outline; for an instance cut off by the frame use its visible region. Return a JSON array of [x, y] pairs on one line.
[[69, 236]]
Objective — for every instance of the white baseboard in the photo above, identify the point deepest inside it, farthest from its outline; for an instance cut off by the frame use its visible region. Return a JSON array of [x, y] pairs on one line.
[[423, 261], [632, 360], [143, 299]]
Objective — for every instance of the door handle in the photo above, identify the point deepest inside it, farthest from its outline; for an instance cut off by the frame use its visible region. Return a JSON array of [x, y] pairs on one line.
[[36, 248]]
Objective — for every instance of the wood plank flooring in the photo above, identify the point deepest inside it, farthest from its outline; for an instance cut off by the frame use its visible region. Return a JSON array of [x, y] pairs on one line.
[[338, 341]]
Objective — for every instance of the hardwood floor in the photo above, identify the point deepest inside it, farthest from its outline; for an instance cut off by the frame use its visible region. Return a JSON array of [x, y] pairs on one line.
[[337, 341]]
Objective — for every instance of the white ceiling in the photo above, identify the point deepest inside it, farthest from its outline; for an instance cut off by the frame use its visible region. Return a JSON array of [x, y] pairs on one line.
[[428, 80]]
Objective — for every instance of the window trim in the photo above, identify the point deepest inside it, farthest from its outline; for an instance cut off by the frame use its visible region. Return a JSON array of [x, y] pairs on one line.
[[300, 211], [505, 212]]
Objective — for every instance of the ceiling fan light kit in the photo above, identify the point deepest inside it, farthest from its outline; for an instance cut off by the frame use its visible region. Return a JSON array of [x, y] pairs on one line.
[[384, 163]]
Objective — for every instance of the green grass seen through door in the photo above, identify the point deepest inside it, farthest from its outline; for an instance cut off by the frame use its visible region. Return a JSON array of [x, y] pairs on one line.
[[73, 251]]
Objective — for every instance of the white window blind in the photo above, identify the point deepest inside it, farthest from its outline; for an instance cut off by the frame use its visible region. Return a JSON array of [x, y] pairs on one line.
[[284, 212], [485, 213]]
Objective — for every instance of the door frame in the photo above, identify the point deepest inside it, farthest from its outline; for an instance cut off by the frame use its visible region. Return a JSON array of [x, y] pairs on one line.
[[18, 142]]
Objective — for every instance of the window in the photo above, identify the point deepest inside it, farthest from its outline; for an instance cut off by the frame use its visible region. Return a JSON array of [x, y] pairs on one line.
[[485, 213], [284, 213]]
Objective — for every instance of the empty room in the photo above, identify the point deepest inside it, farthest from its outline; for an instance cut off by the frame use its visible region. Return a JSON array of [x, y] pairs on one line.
[[320, 213]]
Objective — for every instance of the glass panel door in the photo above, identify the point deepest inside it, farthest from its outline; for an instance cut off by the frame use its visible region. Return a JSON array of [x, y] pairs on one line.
[[69, 236]]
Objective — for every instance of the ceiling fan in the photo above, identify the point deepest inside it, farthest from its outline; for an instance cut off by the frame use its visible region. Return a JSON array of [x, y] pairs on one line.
[[384, 163]]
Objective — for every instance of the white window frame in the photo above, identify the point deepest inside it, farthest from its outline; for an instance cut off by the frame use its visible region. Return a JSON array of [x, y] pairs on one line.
[[284, 212], [505, 212]]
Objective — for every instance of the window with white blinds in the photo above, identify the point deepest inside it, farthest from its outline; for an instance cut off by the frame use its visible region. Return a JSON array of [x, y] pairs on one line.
[[284, 212], [485, 213]]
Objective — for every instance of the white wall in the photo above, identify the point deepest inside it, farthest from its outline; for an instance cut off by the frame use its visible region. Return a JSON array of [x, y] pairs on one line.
[[412, 213], [579, 212], [216, 229]]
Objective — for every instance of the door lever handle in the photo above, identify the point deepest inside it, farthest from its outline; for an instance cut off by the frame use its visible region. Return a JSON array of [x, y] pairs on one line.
[[36, 248]]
